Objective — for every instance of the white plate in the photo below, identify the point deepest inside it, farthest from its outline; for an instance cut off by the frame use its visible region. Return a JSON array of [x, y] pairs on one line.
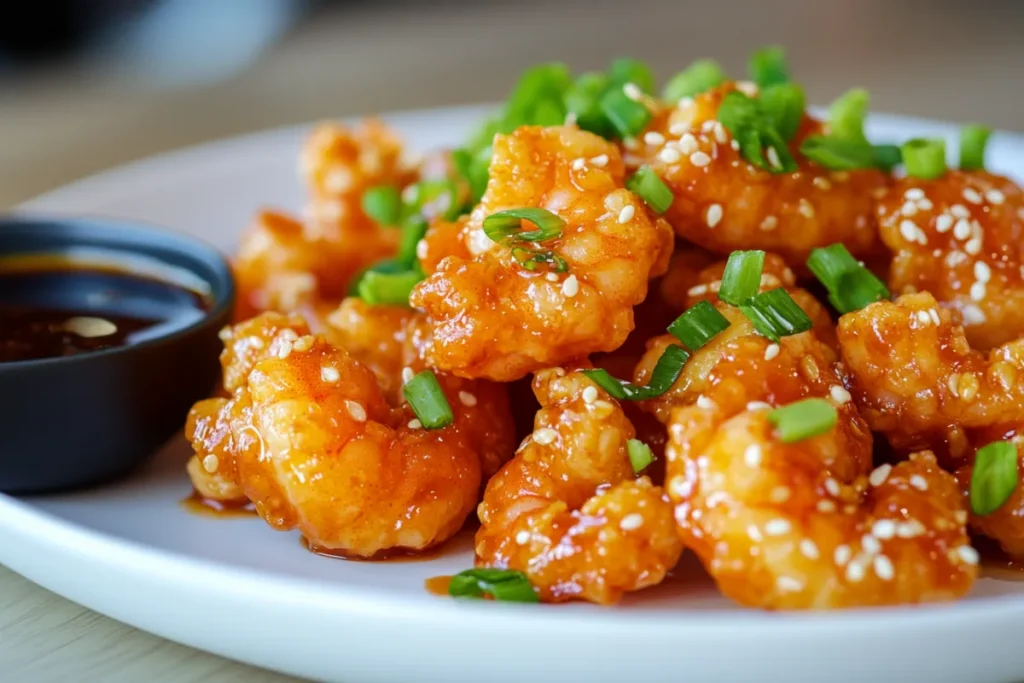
[[236, 588]]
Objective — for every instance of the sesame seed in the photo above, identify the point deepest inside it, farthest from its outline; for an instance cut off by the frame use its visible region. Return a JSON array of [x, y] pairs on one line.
[[679, 128], [925, 204], [806, 209], [705, 403], [626, 214], [884, 528], [771, 351], [414, 423], [908, 209], [285, 350], [870, 544], [909, 230], [421, 249], [968, 554], [962, 229], [777, 527], [748, 88], [808, 549], [578, 164], [700, 159], [880, 474], [769, 223], [973, 315], [883, 568], [210, 463], [669, 155], [467, 399], [407, 375], [934, 315], [972, 196], [589, 395], [841, 555], [995, 196], [601, 160], [752, 455], [832, 486], [821, 183], [978, 291], [545, 436], [854, 572], [735, 144], [919, 482], [329, 374], [697, 290], [943, 223], [773, 158], [721, 136], [633, 520], [571, 286], [356, 410], [953, 382], [923, 317], [551, 277], [982, 271], [779, 494], [654, 138], [758, 405], [839, 394], [826, 506], [754, 533], [523, 537], [788, 583], [910, 529], [959, 211], [914, 193], [714, 215], [632, 91], [973, 246], [688, 144]]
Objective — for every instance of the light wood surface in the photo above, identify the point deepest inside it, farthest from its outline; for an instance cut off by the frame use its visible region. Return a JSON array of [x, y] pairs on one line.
[[945, 59]]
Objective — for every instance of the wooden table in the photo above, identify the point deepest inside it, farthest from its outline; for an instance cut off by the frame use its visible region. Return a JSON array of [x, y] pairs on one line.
[[943, 59]]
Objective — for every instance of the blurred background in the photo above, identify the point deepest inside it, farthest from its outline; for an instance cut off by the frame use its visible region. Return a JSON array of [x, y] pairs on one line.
[[87, 84]]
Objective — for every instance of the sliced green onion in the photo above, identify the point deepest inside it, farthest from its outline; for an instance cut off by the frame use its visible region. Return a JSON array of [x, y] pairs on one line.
[[742, 277], [646, 184], [850, 285], [475, 168], [666, 372], [504, 585], [530, 258], [626, 70], [925, 159], [701, 76], [640, 455], [784, 106], [752, 128], [774, 314], [385, 266], [583, 99], [383, 204], [837, 154], [830, 263], [544, 83], [803, 419], [995, 475], [626, 115], [768, 66], [413, 229], [698, 325], [846, 116], [428, 401], [435, 198], [508, 224], [888, 157], [973, 140], [391, 289]]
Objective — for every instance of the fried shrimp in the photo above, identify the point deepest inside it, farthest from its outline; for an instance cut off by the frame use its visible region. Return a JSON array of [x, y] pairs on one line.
[[492, 317], [805, 525], [723, 202], [568, 510], [961, 238], [1006, 524], [917, 380]]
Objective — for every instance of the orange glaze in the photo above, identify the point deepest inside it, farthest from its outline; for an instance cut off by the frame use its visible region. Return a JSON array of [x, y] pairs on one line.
[[211, 507], [438, 585]]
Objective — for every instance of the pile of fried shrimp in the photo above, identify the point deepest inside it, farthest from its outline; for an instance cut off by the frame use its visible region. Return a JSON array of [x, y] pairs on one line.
[[622, 324]]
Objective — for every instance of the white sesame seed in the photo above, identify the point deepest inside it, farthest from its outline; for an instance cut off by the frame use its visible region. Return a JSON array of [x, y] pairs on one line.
[[752, 455], [832, 486], [329, 374], [925, 204], [972, 196], [968, 554], [721, 136], [978, 291], [210, 463], [356, 410], [708, 125], [545, 436], [748, 88], [467, 399], [697, 290], [688, 144], [626, 214], [995, 196], [700, 159], [884, 529], [589, 395], [769, 223], [839, 394], [982, 271], [754, 533], [669, 155], [777, 527], [788, 583], [973, 246], [773, 158], [870, 544], [841, 555], [771, 351], [953, 382], [934, 315], [714, 215], [685, 102], [854, 572], [808, 549], [285, 350], [806, 209], [735, 144], [601, 160], [407, 375], [422, 248], [758, 405], [908, 209], [880, 474], [633, 520], [821, 183], [909, 230], [571, 286], [962, 229], [919, 482], [909, 529], [973, 315], [705, 403], [923, 317], [959, 211], [414, 423], [943, 223], [578, 164], [883, 568], [679, 128], [632, 91], [826, 506], [551, 277], [779, 494], [914, 193], [523, 537], [654, 138]]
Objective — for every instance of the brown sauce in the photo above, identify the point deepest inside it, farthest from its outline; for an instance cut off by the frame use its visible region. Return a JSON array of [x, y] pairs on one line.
[[52, 307], [438, 585], [209, 507]]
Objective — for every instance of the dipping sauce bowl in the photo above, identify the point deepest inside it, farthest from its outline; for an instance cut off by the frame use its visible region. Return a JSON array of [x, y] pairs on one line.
[[108, 335]]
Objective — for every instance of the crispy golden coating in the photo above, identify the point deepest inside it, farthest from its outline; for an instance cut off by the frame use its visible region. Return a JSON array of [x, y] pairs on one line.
[[250, 341], [804, 525], [961, 238], [491, 317], [723, 203], [212, 468], [568, 510], [917, 380]]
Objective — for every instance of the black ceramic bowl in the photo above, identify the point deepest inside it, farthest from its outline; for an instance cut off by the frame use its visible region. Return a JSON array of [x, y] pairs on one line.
[[78, 420]]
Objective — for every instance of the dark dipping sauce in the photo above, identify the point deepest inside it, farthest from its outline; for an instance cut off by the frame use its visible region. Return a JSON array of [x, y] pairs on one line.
[[53, 307]]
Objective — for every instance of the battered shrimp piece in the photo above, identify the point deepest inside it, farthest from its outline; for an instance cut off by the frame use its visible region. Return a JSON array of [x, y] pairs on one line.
[[960, 237], [917, 380], [353, 475], [723, 203], [805, 525], [1005, 525], [491, 317], [212, 468], [376, 337], [568, 510], [250, 341]]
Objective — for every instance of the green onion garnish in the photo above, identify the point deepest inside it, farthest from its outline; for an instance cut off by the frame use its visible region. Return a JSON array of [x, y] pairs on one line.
[[887, 157], [625, 70], [640, 455], [803, 419], [382, 204], [753, 130], [475, 168], [646, 184], [428, 401], [973, 140], [504, 585], [530, 258], [768, 66], [391, 289], [925, 159], [385, 266], [583, 99], [850, 285], [544, 83], [701, 76], [626, 115], [435, 198], [784, 106], [994, 479], [698, 325], [774, 314], [508, 224], [666, 372], [413, 230], [837, 154], [742, 277], [846, 116]]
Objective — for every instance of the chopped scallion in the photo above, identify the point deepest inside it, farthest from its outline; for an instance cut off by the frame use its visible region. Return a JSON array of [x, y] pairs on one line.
[[994, 478], [427, 400], [383, 204], [837, 154], [385, 266], [646, 184], [544, 83], [742, 277], [626, 70], [504, 585], [508, 224], [640, 455], [925, 159], [626, 115], [391, 289], [701, 76], [846, 116], [583, 99], [973, 140], [803, 419], [530, 258], [850, 285], [774, 314], [887, 157], [413, 230], [784, 105], [747, 122], [666, 372], [698, 325], [768, 66]]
